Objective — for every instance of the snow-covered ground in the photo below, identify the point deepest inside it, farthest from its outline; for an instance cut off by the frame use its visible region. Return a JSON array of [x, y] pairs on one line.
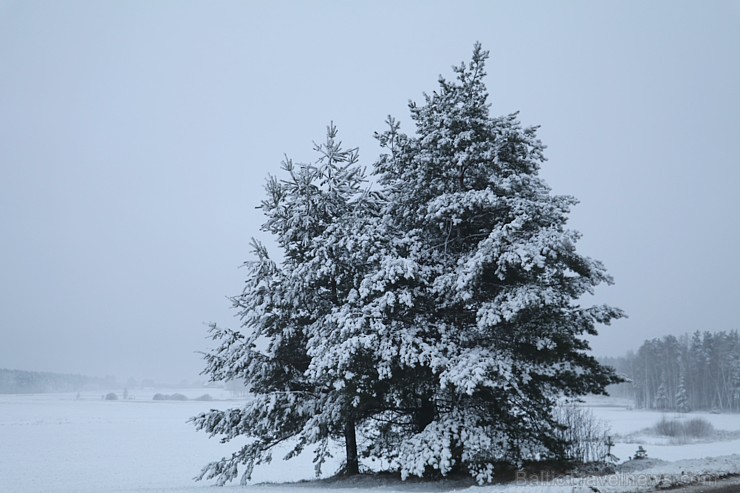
[[56, 443], [65, 443], [628, 426]]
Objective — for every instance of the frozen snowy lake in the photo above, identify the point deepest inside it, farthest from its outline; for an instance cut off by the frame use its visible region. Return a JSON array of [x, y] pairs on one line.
[[60, 443]]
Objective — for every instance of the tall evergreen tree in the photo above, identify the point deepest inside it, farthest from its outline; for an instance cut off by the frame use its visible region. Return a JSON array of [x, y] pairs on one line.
[[497, 325], [285, 309], [434, 324]]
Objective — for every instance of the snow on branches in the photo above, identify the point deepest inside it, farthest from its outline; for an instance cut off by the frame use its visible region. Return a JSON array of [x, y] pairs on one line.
[[434, 322]]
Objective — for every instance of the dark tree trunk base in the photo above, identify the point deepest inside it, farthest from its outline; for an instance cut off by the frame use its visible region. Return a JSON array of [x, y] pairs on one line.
[[352, 466]]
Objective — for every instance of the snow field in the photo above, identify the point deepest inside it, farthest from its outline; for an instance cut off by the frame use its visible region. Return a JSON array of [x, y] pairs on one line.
[[56, 443], [628, 425]]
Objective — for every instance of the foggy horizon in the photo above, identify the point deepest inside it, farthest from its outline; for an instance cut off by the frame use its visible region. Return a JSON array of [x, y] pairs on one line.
[[135, 139]]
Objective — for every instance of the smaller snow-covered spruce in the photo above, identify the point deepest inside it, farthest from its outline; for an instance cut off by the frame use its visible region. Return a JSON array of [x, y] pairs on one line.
[[661, 397], [682, 398], [434, 323]]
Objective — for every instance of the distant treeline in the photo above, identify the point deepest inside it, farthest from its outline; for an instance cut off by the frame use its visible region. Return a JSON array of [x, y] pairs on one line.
[[30, 382], [692, 372]]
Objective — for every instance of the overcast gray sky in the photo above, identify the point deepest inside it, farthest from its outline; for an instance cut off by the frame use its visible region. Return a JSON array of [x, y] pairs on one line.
[[135, 138]]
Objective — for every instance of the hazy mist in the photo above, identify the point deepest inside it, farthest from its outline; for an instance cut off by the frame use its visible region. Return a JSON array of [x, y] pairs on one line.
[[135, 138]]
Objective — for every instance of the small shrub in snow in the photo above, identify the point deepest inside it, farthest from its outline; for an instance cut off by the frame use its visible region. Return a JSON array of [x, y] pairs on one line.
[[699, 428], [684, 430], [169, 397], [668, 427], [111, 397], [586, 437]]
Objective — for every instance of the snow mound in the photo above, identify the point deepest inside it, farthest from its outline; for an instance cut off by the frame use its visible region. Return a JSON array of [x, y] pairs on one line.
[[656, 476], [639, 465], [647, 475]]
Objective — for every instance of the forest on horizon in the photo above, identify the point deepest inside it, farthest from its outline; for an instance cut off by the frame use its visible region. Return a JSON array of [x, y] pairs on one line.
[[689, 372], [698, 371]]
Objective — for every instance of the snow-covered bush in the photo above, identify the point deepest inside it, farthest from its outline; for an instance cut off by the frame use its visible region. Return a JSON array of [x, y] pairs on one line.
[[682, 431], [169, 397], [699, 428]]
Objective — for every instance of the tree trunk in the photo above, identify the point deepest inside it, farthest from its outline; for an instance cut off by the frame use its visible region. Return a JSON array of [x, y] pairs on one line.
[[350, 443], [424, 415]]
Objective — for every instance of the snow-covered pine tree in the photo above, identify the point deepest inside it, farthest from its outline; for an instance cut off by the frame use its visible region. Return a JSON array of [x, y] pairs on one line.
[[438, 317], [288, 313], [682, 398], [341, 366], [661, 396], [494, 324]]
